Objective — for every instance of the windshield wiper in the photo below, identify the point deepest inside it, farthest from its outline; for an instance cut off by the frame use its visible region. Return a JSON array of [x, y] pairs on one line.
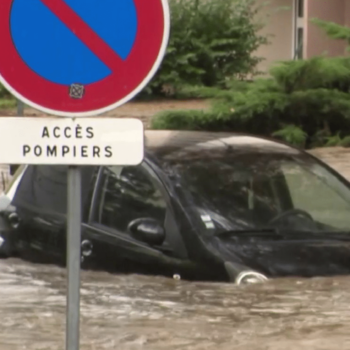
[[250, 232]]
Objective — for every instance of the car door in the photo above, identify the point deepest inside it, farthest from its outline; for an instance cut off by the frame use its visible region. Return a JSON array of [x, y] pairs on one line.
[[41, 204], [124, 194]]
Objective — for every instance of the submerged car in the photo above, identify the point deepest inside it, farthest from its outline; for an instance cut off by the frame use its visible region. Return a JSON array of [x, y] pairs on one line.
[[205, 206]]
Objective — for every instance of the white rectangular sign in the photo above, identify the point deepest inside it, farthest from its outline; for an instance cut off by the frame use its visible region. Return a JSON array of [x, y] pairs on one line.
[[80, 141]]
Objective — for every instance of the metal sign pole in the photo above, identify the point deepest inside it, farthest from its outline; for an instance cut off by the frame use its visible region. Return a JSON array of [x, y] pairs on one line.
[[20, 108], [87, 141], [73, 258]]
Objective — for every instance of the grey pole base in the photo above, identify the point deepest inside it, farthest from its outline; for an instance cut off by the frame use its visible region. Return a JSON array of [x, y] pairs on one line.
[[20, 108], [73, 258]]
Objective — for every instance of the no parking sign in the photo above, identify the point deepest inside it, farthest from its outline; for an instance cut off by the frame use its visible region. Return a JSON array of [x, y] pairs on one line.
[[80, 57], [77, 58]]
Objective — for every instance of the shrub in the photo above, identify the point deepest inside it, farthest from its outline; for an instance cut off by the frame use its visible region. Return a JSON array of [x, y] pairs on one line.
[[315, 101], [304, 101], [6, 99], [334, 30], [3, 92], [334, 140], [345, 142], [292, 134], [182, 119], [210, 41]]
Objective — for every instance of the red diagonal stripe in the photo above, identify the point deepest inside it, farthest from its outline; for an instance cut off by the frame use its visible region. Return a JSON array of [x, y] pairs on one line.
[[83, 31]]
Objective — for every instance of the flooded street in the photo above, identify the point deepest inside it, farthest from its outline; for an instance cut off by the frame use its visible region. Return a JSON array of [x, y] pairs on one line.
[[140, 312]]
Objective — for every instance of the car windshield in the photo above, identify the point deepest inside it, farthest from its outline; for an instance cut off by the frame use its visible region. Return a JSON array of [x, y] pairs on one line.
[[237, 189]]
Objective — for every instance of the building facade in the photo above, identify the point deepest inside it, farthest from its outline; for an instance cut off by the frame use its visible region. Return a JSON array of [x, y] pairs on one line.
[[294, 36]]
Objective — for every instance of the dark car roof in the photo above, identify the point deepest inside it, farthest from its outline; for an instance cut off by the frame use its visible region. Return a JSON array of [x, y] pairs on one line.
[[41, 183], [166, 142]]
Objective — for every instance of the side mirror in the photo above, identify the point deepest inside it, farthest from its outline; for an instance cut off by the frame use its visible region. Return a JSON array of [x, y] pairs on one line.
[[147, 230]]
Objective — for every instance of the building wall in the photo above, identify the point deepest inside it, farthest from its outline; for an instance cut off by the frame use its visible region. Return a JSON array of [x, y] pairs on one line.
[[347, 12], [315, 41], [280, 25]]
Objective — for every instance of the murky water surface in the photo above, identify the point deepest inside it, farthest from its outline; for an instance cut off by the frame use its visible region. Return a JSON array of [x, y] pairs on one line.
[[137, 312], [141, 312]]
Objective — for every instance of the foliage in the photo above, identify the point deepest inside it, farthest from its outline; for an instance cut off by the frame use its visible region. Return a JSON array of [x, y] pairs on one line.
[[6, 100], [314, 73], [7, 103], [195, 91], [345, 142], [337, 140], [334, 140], [292, 134], [181, 119], [334, 30], [210, 41], [304, 102], [3, 92]]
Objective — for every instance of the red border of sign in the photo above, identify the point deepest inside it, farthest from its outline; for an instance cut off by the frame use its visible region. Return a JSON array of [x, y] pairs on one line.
[[119, 87]]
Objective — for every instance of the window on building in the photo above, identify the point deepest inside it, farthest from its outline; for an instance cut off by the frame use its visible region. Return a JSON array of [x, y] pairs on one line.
[[298, 29], [300, 6], [300, 34]]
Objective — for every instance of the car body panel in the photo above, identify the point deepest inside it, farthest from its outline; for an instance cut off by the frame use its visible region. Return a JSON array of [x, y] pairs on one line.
[[192, 247], [288, 256]]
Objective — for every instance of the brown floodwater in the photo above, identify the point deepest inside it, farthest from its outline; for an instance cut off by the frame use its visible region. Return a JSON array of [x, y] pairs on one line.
[[143, 312]]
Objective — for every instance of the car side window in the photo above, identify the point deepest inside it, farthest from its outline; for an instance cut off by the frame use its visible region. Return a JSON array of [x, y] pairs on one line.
[[128, 193], [314, 195]]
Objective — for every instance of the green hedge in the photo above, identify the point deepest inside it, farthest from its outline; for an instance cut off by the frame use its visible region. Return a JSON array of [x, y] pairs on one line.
[[6, 99], [304, 102], [210, 41], [3, 92]]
